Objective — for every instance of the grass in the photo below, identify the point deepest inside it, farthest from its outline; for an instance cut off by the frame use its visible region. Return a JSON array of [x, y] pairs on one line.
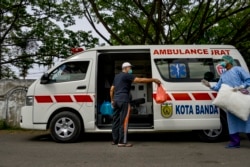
[[4, 126]]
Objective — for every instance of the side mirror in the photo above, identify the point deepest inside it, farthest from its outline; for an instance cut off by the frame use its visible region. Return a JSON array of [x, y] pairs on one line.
[[45, 78]]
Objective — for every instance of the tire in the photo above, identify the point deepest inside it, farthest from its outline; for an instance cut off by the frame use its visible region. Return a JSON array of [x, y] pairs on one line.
[[215, 135], [65, 127]]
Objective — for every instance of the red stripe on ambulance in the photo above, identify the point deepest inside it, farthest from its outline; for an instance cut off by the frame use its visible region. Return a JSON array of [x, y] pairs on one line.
[[83, 98], [201, 96], [181, 96], [214, 94], [189, 97], [43, 99], [63, 99]]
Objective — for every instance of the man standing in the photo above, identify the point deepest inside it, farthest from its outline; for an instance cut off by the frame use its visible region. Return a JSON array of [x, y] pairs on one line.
[[120, 99], [239, 79]]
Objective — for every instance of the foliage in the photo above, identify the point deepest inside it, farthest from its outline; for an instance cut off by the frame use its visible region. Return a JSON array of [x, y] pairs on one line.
[[36, 31], [3, 125], [30, 33], [173, 21]]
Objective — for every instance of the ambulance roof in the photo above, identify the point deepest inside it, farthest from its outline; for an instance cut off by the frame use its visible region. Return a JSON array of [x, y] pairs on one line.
[[132, 47], [151, 47]]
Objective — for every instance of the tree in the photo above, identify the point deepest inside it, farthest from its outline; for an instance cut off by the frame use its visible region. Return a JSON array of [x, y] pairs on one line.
[[173, 21], [30, 33]]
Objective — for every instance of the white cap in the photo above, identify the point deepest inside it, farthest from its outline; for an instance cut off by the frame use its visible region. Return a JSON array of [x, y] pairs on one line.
[[126, 64]]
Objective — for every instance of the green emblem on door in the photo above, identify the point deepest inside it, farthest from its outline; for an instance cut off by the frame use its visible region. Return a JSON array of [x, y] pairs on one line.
[[167, 110]]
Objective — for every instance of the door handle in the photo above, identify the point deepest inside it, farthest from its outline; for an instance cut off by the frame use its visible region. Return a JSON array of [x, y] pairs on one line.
[[82, 87]]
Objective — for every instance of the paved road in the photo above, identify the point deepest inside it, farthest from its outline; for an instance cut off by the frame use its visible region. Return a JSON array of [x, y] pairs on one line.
[[36, 149]]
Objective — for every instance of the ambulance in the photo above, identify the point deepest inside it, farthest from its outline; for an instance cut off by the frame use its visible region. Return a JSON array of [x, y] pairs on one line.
[[67, 99]]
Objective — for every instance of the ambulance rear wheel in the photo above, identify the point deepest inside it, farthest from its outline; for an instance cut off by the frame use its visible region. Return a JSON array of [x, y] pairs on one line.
[[215, 135], [65, 127]]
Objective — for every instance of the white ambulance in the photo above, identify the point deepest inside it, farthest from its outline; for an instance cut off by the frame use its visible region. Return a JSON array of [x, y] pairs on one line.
[[67, 99]]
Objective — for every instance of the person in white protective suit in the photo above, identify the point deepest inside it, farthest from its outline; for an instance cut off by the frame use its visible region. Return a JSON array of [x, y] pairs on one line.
[[239, 79]]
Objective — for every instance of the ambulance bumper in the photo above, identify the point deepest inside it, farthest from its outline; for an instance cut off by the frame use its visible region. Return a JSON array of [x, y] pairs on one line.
[[26, 120]]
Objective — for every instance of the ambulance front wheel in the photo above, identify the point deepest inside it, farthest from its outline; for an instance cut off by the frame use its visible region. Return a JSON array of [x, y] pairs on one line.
[[65, 127], [215, 135]]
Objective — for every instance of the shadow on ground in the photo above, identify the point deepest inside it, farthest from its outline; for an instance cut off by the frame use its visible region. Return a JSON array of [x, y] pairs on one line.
[[150, 137]]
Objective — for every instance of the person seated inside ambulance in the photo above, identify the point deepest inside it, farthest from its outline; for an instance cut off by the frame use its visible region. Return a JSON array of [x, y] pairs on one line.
[[68, 72], [71, 69]]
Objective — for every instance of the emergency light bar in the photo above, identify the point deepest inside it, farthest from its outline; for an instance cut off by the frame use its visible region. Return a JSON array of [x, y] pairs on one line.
[[77, 50]]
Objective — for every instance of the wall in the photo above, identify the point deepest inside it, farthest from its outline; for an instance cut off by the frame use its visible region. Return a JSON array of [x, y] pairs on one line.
[[12, 98]]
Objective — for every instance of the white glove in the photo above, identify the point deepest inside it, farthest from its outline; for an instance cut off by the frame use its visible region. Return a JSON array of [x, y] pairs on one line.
[[206, 83], [237, 88]]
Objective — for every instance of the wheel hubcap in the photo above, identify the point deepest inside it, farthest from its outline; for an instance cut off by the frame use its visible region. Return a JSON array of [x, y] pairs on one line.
[[64, 127], [213, 132]]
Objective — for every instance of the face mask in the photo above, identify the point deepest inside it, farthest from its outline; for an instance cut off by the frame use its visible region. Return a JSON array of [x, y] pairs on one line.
[[223, 64], [130, 71]]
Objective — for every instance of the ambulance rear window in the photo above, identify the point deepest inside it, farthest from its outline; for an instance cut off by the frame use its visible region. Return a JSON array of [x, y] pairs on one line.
[[185, 70]]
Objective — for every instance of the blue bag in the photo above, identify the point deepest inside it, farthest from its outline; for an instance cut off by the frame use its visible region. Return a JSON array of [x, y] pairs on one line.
[[106, 108]]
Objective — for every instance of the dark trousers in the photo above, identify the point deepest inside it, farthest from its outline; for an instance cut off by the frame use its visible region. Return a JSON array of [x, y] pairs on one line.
[[120, 122]]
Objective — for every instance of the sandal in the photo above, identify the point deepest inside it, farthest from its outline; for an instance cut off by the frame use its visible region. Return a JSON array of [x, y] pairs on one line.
[[114, 143], [125, 145]]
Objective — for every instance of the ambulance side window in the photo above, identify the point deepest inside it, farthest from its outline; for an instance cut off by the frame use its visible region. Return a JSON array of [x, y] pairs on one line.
[[70, 71], [185, 70], [198, 69]]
